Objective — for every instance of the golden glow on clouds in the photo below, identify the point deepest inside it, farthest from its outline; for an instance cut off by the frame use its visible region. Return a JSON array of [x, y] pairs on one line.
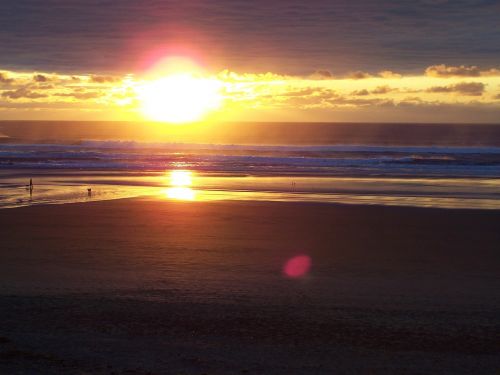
[[178, 91]]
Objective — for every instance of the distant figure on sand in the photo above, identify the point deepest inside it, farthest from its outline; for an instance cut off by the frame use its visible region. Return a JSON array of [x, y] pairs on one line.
[[31, 186], [89, 192]]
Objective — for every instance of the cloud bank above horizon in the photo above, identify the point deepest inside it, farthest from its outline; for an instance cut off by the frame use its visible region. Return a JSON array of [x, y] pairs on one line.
[[440, 93]]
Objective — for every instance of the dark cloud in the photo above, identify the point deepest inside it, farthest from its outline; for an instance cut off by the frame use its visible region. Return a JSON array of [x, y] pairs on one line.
[[459, 71], [389, 74], [380, 90], [79, 95], [303, 92], [282, 36], [45, 86], [324, 98], [21, 93], [358, 102], [103, 79], [464, 88], [452, 71], [322, 74], [40, 78], [383, 90], [307, 97], [358, 75], [363, 92]]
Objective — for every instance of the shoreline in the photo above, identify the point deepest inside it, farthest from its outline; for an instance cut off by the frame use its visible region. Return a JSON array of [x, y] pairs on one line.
[[156, 198]]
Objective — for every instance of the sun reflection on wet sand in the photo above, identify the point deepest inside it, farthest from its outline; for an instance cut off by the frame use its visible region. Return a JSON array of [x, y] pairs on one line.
[[181, 193], [180, 182]]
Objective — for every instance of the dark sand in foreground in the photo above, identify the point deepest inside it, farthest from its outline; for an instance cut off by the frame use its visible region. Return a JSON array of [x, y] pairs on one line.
[[142, 286]]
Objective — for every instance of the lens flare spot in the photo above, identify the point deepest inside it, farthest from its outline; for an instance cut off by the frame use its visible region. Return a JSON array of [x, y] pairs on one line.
[[297, 266]]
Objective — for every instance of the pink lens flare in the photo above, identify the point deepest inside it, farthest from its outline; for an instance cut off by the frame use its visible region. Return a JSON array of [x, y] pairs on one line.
[[297, 266]]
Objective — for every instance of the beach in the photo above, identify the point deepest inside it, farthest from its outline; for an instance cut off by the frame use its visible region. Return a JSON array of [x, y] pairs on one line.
[[154, 286], [249, 187]]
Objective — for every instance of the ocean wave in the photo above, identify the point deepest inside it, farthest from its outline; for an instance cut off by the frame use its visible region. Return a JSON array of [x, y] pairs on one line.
[[256, 159], [290, 148]]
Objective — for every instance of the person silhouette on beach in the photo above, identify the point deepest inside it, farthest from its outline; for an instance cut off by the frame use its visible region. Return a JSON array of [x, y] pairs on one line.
[[31, 186]]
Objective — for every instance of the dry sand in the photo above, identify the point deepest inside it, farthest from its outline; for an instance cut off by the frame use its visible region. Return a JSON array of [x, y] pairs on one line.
[[140, 286]]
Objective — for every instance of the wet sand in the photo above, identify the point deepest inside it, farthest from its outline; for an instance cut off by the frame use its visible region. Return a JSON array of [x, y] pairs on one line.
[[140, 286]]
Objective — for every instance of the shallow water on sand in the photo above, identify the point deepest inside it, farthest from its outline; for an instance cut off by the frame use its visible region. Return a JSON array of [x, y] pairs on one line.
[[72, 186]]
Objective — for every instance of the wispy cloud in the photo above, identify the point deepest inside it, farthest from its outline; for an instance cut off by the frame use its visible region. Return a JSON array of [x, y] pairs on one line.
[[460, 71], [463, 88], [22, 93]]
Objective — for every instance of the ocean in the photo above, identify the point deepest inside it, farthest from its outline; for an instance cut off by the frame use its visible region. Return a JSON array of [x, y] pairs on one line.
[[442, 165]]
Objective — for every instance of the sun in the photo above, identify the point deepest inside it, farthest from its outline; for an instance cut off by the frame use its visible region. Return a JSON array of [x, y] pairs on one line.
[[179, 98]]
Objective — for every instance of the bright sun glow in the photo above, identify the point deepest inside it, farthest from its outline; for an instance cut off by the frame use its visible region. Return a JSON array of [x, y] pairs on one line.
[[179, 98]]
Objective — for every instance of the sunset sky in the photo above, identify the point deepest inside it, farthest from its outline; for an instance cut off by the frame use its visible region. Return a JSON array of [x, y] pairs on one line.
[[360, 60]]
